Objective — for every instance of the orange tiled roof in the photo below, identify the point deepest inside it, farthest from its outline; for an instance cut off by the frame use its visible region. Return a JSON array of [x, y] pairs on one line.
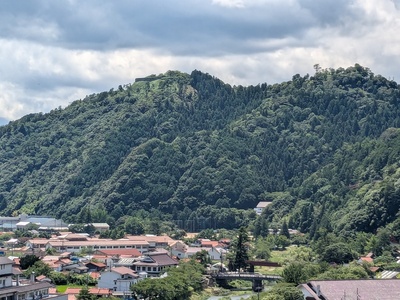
[[95, 275], [209, 243], [93, 290], [367, 259]]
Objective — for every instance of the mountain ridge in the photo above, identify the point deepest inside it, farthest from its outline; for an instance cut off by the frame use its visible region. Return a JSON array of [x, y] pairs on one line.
[[191, 147]]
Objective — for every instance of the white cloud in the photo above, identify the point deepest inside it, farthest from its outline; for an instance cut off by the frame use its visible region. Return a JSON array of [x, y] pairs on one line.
[[229, 3], [52, 53]]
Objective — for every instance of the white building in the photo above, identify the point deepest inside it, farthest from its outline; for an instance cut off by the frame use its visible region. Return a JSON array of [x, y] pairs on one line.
[[118, 279], [261, 206], [18, 290]]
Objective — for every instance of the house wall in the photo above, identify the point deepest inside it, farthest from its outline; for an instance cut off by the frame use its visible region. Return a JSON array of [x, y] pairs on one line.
[[214, 254], [113, 281], [258, 210], [5, 275]]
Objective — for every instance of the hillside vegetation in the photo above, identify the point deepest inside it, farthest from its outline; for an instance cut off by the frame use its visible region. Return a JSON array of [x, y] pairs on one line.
[[325, 149]]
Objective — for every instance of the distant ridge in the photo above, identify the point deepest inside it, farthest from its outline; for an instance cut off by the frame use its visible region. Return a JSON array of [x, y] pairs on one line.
[[194, 151]]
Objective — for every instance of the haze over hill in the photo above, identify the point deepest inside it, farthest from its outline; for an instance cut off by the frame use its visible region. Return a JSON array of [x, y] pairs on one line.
[[199, 152]]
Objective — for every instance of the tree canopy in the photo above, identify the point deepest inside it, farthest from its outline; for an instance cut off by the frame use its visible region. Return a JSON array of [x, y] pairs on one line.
[[324, 148]]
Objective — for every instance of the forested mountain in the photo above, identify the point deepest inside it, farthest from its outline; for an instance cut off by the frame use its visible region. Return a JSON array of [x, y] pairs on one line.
[[325, 149]]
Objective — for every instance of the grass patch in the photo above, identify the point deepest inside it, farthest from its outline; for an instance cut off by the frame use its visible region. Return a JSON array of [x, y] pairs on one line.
[[63, 288]]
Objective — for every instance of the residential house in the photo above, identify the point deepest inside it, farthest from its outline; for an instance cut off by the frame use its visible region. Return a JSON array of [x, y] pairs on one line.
[[185, 252], [19, 290], [95, 266], [178, 248], [366, 289], [6, 272], [36, 244], [76, 267], [261, 206], [188, 252], [207, 243], [118, 279], [215, 253], [126, 262], [111, 256], [56, 262], [154, 263]]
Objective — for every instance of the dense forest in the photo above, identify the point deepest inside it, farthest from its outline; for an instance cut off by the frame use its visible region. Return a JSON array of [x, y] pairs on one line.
[[198, 153]]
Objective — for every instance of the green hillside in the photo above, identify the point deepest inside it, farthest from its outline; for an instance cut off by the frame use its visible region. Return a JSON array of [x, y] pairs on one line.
[[202, 153]]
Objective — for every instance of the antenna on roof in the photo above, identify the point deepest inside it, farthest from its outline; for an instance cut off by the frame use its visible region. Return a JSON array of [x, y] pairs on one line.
[[358, 295]]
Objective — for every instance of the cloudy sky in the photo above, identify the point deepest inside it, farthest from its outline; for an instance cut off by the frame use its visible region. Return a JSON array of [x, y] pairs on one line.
[[54, 52]]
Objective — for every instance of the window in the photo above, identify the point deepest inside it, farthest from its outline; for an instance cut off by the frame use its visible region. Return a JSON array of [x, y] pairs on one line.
[[22, 297]]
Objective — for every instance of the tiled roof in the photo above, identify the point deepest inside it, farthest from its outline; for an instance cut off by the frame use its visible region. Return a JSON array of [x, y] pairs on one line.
[[124, 271], [75, 237], [160, 259], [194, 250], [263, 204], [41, 277], [5, 261], [97, 264], [93, 291], [209, 243], [16, 271], [97, 242], [367, 259], [367, 289], [309, 290], [151, 238], [25, 288], [120, 252], [99, 291], [94, 275], [50, 258]]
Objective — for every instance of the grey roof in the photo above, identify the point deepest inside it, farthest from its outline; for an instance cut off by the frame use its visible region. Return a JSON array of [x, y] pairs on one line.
[[156, 259], [5, 261], [25, 288], [365, 289]]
